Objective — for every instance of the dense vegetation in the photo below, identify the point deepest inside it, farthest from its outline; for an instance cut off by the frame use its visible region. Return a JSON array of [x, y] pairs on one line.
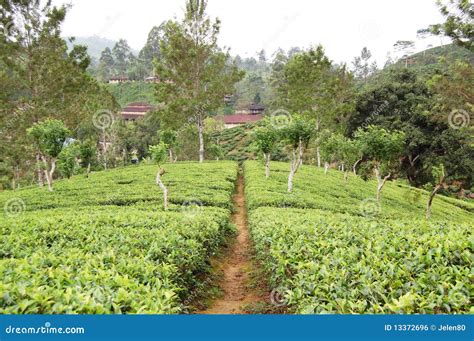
[[330, 248], [104, 244]]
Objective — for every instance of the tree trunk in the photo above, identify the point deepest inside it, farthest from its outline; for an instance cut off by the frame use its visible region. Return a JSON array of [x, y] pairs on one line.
[[430, 201], [354, 167], [318, 150], [326, 167], [381, 182], [295, 164], [88, 169], [342, 167], [318, 156], [346, 176], [170, 152], [104, 149], [39, 171], [160, 183], [267, 164], [201, 139]]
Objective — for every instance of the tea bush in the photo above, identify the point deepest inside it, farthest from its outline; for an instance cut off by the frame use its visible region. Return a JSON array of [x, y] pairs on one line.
[[323, 256], [106, 246]]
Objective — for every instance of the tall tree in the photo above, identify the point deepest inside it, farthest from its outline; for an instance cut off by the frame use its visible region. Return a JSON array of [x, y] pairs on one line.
[[196, 73], [382, 148], [297, 136], [49, 137], [123, 57], [459, 24], [363, 66], [106, 65], [151, 50], [42, 79]]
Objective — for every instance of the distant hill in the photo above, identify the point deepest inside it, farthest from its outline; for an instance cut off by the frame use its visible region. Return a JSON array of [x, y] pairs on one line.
[[427, 61], [95, 44], [132, 92]]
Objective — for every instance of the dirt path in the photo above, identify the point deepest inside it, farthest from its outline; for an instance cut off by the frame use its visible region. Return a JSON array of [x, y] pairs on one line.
[[237, 265]]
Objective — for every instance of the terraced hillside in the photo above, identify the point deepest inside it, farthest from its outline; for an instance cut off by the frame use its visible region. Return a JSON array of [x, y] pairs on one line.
[[328, 247], [104, 244]]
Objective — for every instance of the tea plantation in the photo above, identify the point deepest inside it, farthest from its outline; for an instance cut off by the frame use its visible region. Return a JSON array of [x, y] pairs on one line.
[[328, 248], [104, 244]]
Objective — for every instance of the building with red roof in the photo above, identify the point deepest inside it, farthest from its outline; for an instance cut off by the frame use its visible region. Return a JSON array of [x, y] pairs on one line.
[[135, 110]]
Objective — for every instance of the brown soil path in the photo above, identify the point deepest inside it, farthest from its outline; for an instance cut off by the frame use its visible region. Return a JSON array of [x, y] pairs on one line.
[[237, 265]]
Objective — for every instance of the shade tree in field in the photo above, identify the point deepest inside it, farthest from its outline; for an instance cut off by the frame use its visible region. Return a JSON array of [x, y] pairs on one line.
[[49, 137], [331, 148], [266, 139], [170, 139], [196, 74], [158, 154], [297, 136], [87, 154], [382, 148], [68, 163], [310, 84], [439, 182], [43, 79]]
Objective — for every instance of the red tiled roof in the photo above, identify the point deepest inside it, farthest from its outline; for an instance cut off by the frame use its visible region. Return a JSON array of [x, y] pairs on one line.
[[137, 107], [236, 119]]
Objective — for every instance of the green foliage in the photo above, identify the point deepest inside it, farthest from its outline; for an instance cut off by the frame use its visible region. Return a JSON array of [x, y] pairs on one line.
[[49, 136], [265, 138], [324, 255], [67, 160], [324, 262], [158, 152], [299, 130], [379, 144], [87, 152], [104, 245], [315, 190]]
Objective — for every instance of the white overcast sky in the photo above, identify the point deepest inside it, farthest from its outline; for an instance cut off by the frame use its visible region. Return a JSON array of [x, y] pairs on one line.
[[343, 27]]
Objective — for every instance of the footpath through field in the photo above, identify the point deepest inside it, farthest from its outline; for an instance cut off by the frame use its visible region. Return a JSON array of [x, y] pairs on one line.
[[237, 265]]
